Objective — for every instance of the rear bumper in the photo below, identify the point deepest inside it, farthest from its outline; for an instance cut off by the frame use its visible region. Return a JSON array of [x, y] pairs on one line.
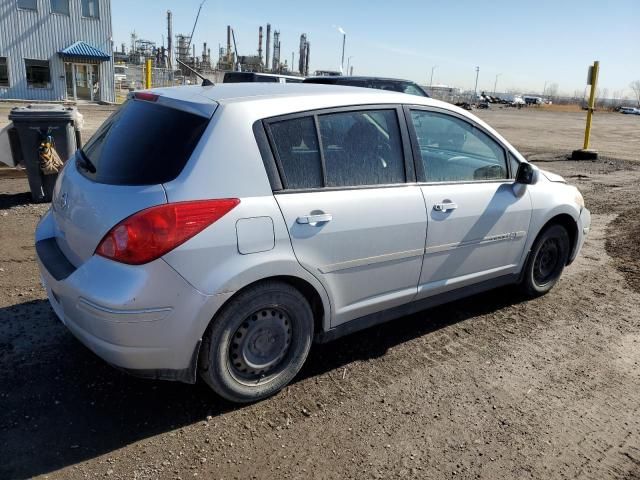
[[145, 319], [584, 225]]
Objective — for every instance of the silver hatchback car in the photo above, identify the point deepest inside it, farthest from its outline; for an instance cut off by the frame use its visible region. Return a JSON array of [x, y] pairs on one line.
[[220, 230]]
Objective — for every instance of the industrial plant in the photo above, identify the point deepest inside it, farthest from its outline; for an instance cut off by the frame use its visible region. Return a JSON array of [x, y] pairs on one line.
[[180, 55]]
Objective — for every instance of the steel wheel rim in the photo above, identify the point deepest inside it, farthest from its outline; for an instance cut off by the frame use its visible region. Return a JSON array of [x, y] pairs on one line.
[[546, 261], [260, 344]]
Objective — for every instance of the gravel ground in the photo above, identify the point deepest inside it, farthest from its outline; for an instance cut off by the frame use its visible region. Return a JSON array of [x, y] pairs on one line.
[[492, 387]]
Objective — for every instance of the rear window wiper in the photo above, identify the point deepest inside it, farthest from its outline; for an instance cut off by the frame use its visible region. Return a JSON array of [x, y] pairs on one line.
[[85, 163]]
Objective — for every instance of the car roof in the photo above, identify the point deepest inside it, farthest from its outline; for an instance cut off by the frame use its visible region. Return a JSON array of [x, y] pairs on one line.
[[225, 93]]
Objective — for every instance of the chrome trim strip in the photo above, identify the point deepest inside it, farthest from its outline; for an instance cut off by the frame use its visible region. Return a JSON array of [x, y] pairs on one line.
[[363, 262], [490, 239]]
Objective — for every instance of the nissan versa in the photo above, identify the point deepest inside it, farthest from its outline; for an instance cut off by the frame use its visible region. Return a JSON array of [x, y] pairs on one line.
[[219, 230]]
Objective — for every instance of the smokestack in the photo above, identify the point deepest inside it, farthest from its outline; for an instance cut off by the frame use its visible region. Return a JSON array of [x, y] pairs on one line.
[[228, 42], [302, 55], [169, 39], [260, 43], [306, 62], [268, 45], [276, 52]]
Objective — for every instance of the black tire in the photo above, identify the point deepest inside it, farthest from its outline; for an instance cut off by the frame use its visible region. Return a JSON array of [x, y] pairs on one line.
[[546, 261], [270, 322]]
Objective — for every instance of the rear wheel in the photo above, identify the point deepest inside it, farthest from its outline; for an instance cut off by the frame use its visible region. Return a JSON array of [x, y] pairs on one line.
[[546, 262], [258, 342]]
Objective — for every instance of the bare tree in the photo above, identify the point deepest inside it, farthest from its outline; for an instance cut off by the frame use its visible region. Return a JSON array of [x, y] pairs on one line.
[[635, 86], [617, 95], [602, 97], [552, 91]]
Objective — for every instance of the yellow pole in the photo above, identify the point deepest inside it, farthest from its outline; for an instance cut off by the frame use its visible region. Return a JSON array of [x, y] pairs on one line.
[[592, 98], [147, 80]]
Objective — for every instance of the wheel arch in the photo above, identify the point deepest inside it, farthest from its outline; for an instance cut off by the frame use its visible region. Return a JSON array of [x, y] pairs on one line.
[[319, 307], [569, 224]]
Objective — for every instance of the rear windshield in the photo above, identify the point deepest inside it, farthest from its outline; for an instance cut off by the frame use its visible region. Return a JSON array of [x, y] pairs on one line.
[[143, 143]]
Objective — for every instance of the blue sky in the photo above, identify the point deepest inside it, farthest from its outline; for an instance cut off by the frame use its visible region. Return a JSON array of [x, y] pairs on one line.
[[527, 42]]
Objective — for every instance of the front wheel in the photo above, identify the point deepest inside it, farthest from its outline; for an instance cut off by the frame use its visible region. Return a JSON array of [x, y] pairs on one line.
[[258, 342], [546, 262]]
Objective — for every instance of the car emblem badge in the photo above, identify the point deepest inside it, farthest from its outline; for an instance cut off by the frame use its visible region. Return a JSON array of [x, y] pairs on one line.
[[63, 202]]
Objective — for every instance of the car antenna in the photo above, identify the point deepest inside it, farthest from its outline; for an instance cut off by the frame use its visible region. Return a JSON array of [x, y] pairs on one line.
[[205, 81]]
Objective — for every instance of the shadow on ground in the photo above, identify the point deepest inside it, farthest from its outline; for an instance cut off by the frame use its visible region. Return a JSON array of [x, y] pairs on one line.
[[14, 200], [61, 405]]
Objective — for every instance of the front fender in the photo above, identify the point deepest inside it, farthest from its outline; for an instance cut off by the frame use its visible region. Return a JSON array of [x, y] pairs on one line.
[[549, 200]]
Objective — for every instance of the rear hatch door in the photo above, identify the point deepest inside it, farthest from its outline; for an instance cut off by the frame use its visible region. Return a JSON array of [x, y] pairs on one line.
[[121, 169]]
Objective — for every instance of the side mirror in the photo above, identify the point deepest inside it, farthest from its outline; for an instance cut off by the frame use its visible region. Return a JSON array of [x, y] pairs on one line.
[[527, 174]]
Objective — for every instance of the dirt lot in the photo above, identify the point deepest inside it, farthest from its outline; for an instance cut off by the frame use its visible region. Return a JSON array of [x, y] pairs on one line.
[[490, 387]]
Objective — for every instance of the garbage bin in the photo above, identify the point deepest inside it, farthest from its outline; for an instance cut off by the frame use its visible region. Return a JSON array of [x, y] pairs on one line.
[[34, 124]]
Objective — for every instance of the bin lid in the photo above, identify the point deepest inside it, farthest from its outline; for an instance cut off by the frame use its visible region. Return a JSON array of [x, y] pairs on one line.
[[42, 111]]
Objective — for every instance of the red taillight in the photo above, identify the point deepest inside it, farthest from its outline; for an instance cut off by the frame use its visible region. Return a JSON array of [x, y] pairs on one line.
[[151, 233], [146, 96]]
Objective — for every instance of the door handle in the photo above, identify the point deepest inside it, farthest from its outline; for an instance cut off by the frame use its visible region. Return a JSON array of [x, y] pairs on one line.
[[314, 220], [445, 206]]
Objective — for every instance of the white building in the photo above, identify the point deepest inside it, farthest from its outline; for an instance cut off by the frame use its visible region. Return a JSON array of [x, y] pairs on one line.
[[56, 50]]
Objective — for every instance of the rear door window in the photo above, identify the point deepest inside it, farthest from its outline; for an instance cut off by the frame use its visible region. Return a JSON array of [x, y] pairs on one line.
[[296, 145], [143, 143], [356, 148], [362, 148]]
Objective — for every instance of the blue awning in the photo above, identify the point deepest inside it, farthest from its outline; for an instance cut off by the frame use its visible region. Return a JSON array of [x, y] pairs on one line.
[[81, 51]]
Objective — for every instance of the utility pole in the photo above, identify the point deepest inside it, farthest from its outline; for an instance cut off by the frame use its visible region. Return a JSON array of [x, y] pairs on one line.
[[495, 84], [344, 40], [475, 89], [431, 81]]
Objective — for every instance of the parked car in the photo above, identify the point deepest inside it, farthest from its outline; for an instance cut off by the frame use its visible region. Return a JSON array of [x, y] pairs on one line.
[[220, 230], [630, 110], [392, 84], [244, 77], [529, 100], [518, 101], [120, 76]]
